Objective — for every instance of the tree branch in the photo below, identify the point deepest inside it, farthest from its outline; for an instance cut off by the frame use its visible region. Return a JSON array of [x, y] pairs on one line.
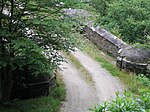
[[11, 16]]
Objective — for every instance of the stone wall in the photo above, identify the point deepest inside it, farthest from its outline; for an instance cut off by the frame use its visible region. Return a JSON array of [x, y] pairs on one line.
[[134, 59], [138, 68], [112, 45], [104, 40]]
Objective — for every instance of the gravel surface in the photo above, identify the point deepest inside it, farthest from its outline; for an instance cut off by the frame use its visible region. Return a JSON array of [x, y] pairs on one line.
[[105, 83], [81, 95]]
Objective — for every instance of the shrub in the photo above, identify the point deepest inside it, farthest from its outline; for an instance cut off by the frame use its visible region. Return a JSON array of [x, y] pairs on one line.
[[101, 6], [126, 103], [143, 80], [129, 17]]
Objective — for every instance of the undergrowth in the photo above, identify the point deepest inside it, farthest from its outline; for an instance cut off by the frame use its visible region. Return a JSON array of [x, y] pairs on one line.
[[50, 103], [127, 102]]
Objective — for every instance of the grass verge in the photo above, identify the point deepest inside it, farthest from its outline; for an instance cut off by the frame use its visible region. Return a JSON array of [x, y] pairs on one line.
[[51, 103]]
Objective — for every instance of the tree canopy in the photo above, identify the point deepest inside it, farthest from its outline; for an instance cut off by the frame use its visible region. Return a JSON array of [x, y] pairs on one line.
[[128, 19], [31, 34]]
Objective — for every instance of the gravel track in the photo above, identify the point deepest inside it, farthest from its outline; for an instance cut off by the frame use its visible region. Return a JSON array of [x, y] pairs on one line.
[[105, 83], [80, 94]]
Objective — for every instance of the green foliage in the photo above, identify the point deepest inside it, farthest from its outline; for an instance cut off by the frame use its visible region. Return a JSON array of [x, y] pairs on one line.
[[31, 35], [101, 6], [28, 53], [126, 103], [147, 46], [130, 18], [144, 80], [39, 30]]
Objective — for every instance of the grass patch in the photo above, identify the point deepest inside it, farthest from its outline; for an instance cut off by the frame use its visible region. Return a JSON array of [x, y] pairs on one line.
[[107, 65], [51, 103], [86, 75]]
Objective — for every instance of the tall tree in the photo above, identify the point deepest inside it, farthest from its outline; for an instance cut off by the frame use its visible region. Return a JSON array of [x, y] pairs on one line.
[[31, 33]]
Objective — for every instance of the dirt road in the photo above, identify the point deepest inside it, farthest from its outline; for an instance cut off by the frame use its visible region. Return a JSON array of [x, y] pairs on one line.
[[80, 94]]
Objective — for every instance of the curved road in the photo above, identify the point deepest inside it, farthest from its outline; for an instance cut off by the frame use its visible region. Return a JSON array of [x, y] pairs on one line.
[[80, 94]]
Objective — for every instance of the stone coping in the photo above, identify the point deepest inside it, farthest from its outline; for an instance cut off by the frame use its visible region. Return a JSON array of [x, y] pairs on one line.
[[110, 37]]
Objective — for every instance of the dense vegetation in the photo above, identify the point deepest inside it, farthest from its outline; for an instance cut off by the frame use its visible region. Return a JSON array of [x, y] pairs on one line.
[[31, 34], [128, 19]]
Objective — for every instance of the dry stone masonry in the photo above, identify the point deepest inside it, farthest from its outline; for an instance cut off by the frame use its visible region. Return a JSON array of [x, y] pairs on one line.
[[128, 57], [104, 40]]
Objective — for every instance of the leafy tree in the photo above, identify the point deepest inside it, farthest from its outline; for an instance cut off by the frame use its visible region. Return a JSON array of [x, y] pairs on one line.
[[31, 34], [130, 18]]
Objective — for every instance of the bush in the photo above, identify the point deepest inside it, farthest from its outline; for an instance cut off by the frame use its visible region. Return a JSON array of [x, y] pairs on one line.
[[144, 80], [129, 17], [126, 103], [101, 6]]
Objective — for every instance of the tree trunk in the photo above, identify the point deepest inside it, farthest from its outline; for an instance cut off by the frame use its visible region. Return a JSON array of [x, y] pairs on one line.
[[7, 83], [1, 45], [6, 72]]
